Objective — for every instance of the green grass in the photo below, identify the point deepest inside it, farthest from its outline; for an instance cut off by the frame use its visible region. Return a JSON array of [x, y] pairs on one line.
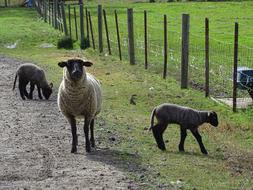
[[221, 17], [229, 164]]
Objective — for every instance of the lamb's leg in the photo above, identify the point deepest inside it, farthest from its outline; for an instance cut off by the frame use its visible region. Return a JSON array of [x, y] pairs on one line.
[[199, 139], [158, 134], [86, 132], [72, 122], [31, 90], [183, 134], [21, 89], [92, 140], [39, 92]]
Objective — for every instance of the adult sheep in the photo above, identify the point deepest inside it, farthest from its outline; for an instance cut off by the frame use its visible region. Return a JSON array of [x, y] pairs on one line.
[[187, 118], [29, 72], [79, 95]]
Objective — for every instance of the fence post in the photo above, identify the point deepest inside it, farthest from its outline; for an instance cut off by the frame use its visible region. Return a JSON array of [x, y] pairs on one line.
[[145, 40], [5, 3], [55, 14], [87, 28], [64, 19], [91, 31], [100, 34], [60, 16], [235, 66], [118, 36], [45, 10], [49, 8], [107, 34], [165, 48], [185, 50], [69, 14], [52, 13], [75, 23], [130, 35], [81, 27], [207, 56]]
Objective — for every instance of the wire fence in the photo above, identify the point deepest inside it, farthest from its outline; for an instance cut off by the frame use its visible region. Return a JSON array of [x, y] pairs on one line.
[[221, 55]]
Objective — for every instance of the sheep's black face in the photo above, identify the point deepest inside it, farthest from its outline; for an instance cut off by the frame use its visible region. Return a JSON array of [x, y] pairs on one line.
[[213, 119], [47, 91], [75, 68]]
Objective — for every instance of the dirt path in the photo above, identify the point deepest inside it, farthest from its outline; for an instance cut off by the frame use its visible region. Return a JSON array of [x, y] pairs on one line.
[[35, 146]]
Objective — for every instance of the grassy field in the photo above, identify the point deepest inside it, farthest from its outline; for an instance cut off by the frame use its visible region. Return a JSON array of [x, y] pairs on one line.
[[229, 164], [221, 17]]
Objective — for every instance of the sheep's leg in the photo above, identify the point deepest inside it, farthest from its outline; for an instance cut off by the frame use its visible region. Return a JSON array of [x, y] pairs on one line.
[[183, 134], [158, 134], [72, 122], [21, 91], [39, 92], [22, 88], [31, 90], [199, 139], [86, 133], [92, 140]]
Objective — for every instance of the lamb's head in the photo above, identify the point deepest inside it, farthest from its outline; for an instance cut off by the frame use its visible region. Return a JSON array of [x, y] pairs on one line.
[[75, 69], [213, 118], [47, 91]]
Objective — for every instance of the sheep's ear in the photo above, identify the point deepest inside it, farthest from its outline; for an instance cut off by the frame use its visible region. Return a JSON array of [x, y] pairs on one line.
[[51, 85], [62, 64], [87, 63]]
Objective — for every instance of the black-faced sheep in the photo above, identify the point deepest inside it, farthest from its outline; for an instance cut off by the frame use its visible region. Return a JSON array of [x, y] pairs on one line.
[[79, 95], [29, 72], [187, 118]]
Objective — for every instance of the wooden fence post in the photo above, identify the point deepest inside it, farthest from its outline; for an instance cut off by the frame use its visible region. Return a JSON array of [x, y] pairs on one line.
[[55, 14], [49, 8], [75, 23], [5, 3], [185, 50], [64, 19], [118, 36], [82, 42], [100, 34], [60, 20], [107, 34], [145, 40], [165, 48], [235, 66], [130, 36], [91, 31], [52, 13], [69, 17], [87, 28], [45, 10], [207, 57]]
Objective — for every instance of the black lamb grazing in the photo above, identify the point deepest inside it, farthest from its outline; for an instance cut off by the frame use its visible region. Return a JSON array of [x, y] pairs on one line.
[[186, 117], [35, 75]]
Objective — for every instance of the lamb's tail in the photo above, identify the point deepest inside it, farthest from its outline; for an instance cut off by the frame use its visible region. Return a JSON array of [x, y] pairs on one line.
[[152, 119], [14, 84]]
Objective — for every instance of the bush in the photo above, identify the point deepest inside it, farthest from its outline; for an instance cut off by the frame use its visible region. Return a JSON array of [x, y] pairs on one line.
[[65, 42]]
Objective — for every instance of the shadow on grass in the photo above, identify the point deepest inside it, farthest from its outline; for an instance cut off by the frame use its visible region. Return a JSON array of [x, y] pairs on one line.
[[120, 159]]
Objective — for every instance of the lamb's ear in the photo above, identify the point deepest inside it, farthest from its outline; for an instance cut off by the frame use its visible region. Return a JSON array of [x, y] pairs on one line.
[[62, 64], [87, 63], [51, 85]]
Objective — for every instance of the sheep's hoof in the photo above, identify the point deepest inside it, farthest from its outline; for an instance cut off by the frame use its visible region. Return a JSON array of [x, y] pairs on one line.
[[204, 152], [73, 150], [88, 149], [162, 147]]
